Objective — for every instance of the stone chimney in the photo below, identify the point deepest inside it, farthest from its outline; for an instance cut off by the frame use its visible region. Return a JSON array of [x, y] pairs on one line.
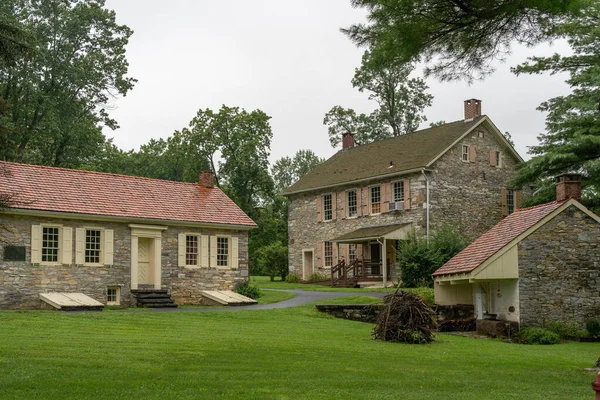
[[568, 186], [206, 179], [348, 141], [472, 109]]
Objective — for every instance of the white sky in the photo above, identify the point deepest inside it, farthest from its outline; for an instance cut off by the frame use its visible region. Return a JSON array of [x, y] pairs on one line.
[[289, 59]]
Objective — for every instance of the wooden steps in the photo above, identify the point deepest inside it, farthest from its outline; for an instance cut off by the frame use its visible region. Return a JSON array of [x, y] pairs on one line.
[[153, 298]]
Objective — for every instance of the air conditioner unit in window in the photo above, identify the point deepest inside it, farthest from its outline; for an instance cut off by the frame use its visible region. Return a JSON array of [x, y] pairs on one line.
[[396, 205]]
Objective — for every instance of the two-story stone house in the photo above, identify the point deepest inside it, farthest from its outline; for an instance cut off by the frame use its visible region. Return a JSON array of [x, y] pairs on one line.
[[361, 201]]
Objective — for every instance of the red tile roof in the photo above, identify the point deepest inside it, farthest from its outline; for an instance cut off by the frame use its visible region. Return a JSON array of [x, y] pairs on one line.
[[496, 238], [37, 187]]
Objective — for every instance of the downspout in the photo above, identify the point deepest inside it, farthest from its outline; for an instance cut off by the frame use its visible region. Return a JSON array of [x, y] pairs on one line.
[[427, 202]]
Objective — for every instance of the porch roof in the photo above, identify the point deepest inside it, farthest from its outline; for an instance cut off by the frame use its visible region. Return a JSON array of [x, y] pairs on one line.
[[396, 231]]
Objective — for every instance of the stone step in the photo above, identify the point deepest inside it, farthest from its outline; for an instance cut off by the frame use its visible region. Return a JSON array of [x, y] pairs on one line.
[[151, 295], [159, 305]]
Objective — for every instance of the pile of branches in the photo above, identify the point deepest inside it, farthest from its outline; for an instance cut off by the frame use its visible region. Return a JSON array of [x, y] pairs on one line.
[[405, 318]]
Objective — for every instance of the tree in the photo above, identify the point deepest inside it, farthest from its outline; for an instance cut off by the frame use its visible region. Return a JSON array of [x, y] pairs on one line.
[[287, 171], [456, 39], [60, 95], [571, 142], [273, 260], [15, 41], [400, 102]]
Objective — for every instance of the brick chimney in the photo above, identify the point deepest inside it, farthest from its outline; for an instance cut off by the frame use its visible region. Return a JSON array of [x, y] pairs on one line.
[[472, 108], [568, 186], [348, 141], [206, 179]]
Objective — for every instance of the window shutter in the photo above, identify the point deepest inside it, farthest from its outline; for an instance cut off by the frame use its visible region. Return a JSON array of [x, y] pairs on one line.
[[518, 199], [213, 252], [333, 206], [359, 251], [79, 246], [343, 198], [366, 192], [407, 194], [493, 158], [181, 249], [345, 253], [387, 197], [36, 244], [109, 240], [319, 209], [204, 251], [320, 254], [503, 202], [67, 245], [334, 254], [472, 153], [359, 202], [235, 256]]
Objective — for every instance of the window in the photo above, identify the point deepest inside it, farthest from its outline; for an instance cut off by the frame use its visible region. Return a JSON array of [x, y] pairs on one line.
[[375, 200], [191, 250], [113, 296], [352, 252], [328, 254], [481, 134], [222, 251], [510, 201], [327, 208], [92, 246], [497, 155], [398, 191], [50, 244], [465, 153], [351, 203]]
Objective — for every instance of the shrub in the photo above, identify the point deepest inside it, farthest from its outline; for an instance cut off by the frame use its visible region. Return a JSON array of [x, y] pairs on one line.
[[593, 327], [406, 318], [248, 290], [317, 277], [537, 336], [273, 260], [565, 330], [426, 294], [292, 278]]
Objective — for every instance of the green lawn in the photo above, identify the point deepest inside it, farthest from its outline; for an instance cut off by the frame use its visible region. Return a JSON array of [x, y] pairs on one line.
[[294, 353], [263, 282]]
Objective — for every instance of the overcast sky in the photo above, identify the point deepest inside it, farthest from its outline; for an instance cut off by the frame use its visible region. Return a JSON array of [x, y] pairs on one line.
[[289, 59]]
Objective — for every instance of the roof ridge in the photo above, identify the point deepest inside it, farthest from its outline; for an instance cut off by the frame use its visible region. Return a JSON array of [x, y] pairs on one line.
[[84, 171]]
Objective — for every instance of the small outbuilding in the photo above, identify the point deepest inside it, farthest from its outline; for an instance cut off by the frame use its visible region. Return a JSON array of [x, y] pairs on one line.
[[537, 265]]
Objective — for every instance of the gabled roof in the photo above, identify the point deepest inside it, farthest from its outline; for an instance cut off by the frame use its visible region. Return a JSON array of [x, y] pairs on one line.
[[406, 153], [521, 223], [63, 190]]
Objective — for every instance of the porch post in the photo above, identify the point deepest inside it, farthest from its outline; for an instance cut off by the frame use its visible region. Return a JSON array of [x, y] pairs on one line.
[[337, 247], [384, 261], [134, 262], [157, 262]]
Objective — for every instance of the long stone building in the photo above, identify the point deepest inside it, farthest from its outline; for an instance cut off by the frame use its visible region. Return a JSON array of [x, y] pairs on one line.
[[357, 204]]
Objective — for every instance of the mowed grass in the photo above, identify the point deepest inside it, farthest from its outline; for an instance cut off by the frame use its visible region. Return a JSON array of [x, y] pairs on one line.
[[295, 353], [264, 282]]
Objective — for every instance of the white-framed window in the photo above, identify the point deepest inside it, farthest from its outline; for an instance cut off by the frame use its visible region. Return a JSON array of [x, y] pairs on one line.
[[327, 254], [375, 199], [191, 250], [50, 244], [222, 251], [351, 204], [352, 252], [327, 207], [398, 191], [93, 246], [465, 153], [481, 134], [113, 296]]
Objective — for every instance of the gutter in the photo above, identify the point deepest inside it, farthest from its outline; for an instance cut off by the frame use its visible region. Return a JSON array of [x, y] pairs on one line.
[[427, 202]]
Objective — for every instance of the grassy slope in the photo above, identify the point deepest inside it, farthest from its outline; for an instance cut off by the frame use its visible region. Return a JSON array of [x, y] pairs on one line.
[[289, 353]]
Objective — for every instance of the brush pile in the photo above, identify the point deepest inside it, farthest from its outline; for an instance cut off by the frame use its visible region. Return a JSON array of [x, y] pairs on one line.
[[406, 318]]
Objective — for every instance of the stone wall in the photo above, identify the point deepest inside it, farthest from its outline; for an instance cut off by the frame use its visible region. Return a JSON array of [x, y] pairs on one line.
[[559, 270], [465, 195], [21, 282]]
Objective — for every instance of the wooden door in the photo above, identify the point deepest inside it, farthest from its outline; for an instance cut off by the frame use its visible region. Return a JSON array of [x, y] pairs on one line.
[[144, 271]]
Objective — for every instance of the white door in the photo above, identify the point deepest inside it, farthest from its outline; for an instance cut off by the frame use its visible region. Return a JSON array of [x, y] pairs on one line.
[[144, 271], [308, 264]]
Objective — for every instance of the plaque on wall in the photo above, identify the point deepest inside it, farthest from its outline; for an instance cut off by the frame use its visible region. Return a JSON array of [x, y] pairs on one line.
[[14, 253]]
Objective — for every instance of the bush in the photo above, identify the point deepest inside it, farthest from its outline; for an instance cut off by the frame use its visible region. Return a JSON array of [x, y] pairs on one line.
[[248, 290], [593, 327], [537, 336], [406, 318], [292, 278], [317, 277], [566, 330], [273, 260], [426, 294]]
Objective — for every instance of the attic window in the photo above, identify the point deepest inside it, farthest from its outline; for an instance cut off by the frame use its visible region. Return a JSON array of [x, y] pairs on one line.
[[481, 134], [465, 153]]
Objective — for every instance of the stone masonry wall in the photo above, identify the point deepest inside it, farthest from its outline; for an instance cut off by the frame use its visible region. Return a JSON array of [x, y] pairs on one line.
[[22, 282], [465, 195], [559, 271]]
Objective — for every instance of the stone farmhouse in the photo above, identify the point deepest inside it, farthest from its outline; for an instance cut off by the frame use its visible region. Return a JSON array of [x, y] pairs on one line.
[[537, 265], [114, 237], [347, 215]]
